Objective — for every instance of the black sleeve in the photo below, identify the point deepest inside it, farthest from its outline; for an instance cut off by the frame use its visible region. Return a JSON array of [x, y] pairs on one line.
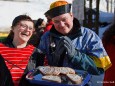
[[38, 57], [5, 76]]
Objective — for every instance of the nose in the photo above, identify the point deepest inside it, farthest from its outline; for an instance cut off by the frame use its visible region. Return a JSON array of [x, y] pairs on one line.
[[62, 23], [27, 29]]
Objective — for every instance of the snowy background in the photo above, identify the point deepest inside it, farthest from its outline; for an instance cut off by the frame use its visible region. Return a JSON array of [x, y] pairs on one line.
[[36, 9]]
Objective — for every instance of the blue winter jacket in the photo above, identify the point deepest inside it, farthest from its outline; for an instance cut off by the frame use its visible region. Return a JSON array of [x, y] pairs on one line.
[[90, 53]]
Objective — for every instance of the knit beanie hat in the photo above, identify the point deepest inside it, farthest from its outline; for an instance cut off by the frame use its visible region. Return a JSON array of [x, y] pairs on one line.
[[58, 7]]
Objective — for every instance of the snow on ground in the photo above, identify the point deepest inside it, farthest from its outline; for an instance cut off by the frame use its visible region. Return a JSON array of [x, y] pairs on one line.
[[9, 10], [35, 9]]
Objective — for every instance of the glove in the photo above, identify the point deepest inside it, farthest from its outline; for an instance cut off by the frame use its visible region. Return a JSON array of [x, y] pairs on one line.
[[70, 49], [59, 48], [58, 52]]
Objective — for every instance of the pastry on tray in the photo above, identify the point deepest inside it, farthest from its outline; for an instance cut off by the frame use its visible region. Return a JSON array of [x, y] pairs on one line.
[[52, 78], [55, 74]]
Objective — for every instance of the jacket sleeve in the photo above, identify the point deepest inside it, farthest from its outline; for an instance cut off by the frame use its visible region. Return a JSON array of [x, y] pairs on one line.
[[94, 58], [82, 61]]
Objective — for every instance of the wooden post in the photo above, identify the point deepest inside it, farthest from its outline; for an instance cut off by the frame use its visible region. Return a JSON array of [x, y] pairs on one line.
[[92, 16], [97, 17]]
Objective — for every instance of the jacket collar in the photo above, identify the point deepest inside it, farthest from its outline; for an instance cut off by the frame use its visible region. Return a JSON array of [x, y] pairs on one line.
[[76, 31]]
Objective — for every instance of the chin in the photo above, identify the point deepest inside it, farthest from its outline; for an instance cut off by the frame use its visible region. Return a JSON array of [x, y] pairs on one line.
[[25, 39], [64, 33]]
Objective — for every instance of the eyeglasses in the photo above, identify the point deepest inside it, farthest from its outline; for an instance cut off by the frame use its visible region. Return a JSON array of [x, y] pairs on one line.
[[26, 26]]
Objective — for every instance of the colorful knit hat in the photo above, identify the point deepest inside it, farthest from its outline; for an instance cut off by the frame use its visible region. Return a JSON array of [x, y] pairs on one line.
[[58, 7]]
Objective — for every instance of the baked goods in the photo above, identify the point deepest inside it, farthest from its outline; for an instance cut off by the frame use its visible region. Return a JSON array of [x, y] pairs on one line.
[[56, 70], [52, 78], [47, 70], [71, 71], [66, 70], [74, 78], [50, 70], [59, 74]]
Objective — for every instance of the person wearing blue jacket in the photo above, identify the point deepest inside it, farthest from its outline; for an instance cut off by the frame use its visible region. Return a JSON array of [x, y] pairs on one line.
[[70, 45]]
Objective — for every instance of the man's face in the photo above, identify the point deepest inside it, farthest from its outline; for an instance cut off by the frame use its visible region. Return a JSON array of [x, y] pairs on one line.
[[63, 23]]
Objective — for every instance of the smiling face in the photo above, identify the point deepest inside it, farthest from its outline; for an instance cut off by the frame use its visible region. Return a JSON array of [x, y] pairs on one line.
[[23, 31], [63, 23]]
